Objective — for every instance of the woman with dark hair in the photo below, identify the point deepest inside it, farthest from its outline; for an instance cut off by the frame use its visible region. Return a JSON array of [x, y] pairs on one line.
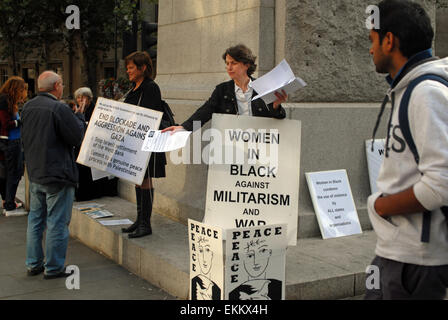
[[12, 93], [144, 93], [234, 96]]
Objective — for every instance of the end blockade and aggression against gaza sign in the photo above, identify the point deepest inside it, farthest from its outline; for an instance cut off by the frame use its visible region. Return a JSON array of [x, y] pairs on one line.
[[114, 139], [258, 191]]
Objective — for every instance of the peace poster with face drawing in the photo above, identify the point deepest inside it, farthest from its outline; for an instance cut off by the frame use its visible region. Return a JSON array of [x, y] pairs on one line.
[[206, 261], [255, 263]]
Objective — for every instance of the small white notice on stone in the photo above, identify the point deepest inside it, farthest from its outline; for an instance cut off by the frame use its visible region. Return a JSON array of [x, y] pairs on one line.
[[374, 160], [333, 203], [156, 141]]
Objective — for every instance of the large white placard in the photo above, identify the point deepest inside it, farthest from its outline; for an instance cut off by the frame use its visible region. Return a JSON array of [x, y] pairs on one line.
[[114, 138], [333, 203], [255, 263], [264, 189], [374, 160], [206, 261]]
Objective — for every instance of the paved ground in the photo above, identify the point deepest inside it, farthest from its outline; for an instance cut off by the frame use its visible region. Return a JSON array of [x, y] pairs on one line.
[[100, 278]]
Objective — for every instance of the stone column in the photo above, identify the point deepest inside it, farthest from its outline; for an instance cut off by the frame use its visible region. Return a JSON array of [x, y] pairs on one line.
[[441, 42], [193, 35]]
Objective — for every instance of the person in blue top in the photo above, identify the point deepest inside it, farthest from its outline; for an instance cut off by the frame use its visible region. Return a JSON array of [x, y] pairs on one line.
[[13, 92]]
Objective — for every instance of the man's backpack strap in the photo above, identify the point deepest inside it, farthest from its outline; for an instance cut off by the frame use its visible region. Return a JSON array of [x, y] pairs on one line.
[[403, 118]]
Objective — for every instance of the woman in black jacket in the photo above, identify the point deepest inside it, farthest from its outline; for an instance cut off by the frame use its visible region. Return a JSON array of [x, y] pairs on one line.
[[234, 96], [144, 93]]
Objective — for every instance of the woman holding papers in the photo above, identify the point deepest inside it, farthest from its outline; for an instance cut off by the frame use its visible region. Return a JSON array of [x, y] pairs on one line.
[[234, 96], [144, 93]]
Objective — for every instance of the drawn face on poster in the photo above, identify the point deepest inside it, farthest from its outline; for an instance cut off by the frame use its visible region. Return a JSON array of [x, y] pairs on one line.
[[255, 263], [205, 255], [256, 258], [206, 272]]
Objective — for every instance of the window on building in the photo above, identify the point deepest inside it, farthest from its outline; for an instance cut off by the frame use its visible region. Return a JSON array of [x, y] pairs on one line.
[[56, 67], [3, 74], [29, 75]]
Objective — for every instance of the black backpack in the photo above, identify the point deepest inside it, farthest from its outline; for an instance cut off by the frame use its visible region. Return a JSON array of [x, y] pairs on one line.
[[403, 119], [168, 114]]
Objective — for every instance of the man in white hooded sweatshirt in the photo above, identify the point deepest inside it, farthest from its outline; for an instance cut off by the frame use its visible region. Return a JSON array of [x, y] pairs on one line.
[[412, 255]]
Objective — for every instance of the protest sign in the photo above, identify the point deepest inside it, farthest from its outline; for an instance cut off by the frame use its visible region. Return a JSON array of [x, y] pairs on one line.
[[255, 263], [333, 203], [258, 181], [114, 138], [206, 261]]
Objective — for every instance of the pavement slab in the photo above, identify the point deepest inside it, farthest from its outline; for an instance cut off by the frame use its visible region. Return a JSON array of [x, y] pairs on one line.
[[100, 277]]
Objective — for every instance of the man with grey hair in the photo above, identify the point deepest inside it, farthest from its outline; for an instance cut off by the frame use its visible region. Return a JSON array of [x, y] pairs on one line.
[[49, 134]]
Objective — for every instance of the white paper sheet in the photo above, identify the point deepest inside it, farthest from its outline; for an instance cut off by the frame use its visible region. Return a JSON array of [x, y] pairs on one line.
[[88, 205], [100, 214], [156, 141], [115, 222], [99, 174], [279, 78]]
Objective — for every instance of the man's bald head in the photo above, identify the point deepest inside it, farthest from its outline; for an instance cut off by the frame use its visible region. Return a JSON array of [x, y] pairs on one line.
[[49, 81]]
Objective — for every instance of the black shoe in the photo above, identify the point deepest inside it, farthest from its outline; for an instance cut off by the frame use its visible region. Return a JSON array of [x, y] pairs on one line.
[[35, 271], [144, 221], [141, 232], [132, 228], [60, 274]]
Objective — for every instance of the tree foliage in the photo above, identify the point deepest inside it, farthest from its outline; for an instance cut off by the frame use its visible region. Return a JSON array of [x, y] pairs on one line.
[[21, 24], [28, 26]]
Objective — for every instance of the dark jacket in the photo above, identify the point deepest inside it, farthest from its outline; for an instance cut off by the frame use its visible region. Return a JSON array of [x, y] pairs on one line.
[[151, 98], [148, 96], [50, 131], [89, 109], [6, 121], [223, 100]]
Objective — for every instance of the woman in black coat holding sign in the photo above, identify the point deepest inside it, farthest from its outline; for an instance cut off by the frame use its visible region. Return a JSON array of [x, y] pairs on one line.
[[144, 93], [235, 96]]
